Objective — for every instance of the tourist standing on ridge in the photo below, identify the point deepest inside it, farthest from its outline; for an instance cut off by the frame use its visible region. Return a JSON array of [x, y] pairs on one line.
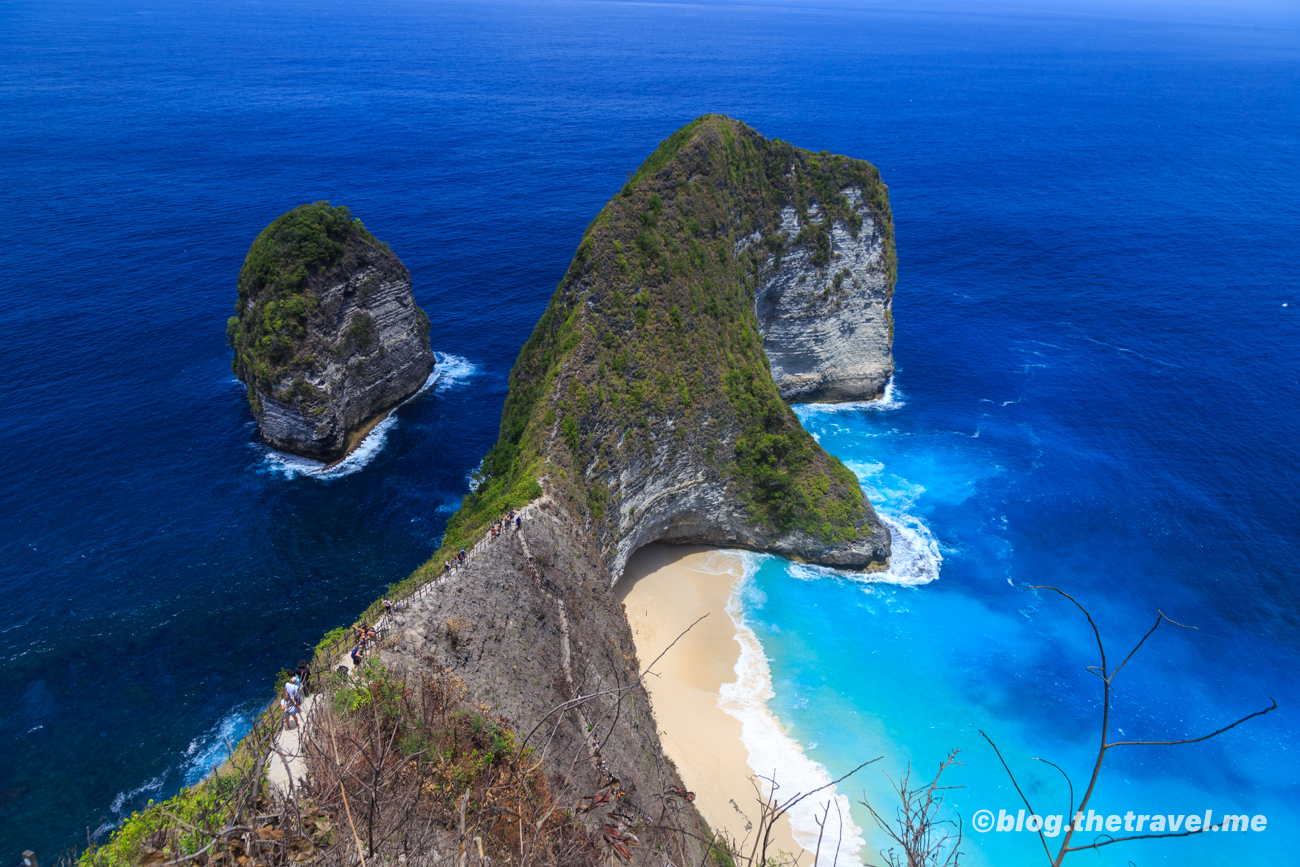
[[303, 673]]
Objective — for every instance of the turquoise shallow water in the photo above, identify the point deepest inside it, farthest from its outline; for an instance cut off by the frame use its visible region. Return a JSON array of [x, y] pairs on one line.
[[953, 641]]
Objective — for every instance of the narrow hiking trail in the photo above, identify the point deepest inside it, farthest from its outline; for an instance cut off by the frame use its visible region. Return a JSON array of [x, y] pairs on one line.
[[286, 761], [566, 650]]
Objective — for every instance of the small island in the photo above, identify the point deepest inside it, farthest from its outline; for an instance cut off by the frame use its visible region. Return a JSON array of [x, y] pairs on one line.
[[327, 336]]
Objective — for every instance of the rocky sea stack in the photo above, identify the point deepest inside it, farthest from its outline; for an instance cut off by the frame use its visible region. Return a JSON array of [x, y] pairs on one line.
[[327, 336]]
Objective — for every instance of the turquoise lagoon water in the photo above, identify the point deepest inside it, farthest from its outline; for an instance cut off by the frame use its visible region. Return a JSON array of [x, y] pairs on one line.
[[912, 664]]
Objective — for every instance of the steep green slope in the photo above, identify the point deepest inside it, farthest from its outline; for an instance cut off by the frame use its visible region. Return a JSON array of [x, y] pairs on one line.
[[651, 336]]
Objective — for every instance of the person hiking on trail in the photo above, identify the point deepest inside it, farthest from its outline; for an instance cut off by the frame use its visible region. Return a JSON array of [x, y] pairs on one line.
[[360, 630], [519, 522], [303, 671], [293, 690], [290, 711], [388, 606]]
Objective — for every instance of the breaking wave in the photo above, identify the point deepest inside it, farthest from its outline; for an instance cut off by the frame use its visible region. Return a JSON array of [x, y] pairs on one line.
[[773, 755], [210, 749], [450, 372], [891, 398]]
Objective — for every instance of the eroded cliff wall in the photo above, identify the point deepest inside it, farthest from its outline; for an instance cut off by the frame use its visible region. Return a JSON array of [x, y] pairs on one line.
[[648, 405], [730, 271], [827, 328], [531, 624]]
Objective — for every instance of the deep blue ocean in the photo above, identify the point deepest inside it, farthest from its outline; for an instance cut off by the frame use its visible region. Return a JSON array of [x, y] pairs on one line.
[[1098, 350]]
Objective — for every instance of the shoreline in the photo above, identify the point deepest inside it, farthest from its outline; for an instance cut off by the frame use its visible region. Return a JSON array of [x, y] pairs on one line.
[[665, 588], [358, 436], [358, 439]]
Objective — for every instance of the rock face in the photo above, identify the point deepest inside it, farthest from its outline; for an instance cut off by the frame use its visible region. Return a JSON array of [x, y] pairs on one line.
[[643, 408], [828, 330], [327, 335], [645, 400], [529, 624], [732, 271]]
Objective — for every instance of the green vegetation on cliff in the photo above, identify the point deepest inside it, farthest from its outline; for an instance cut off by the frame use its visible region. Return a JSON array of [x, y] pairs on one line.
[[275, 304], [655, 320]]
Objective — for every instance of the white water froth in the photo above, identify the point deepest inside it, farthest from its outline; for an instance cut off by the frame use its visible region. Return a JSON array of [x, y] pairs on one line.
[[449, 372], [123, 802], [890, 399], [774, 755], [209, 750], [915, 557]]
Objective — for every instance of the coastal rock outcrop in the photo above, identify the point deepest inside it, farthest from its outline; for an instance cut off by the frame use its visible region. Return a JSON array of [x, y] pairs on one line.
[[824, 311], [646, 407], [327, 335], [649, 396]]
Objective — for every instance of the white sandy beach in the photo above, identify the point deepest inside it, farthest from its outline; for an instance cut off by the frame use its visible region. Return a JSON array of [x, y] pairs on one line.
[[665, 589]]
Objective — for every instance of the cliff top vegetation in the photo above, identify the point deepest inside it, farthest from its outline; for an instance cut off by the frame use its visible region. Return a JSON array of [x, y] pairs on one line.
[[652, 333]]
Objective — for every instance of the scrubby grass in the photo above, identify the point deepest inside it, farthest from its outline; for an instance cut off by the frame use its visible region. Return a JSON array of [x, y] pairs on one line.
[[421, 762]]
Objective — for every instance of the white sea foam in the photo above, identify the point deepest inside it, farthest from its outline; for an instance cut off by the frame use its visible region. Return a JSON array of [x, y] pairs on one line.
[[121, 800], [891, 398], [773, 755], [914, 556], [125, 802], [450, 371], [210, 749]]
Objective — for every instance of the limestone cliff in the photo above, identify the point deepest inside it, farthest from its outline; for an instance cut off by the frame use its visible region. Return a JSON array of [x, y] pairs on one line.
[[646, 395], [327, 335], [824, 311]]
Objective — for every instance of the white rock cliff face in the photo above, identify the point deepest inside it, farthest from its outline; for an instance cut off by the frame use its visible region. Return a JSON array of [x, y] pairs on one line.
[[828, 330], [372, 347], [682, 502]]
